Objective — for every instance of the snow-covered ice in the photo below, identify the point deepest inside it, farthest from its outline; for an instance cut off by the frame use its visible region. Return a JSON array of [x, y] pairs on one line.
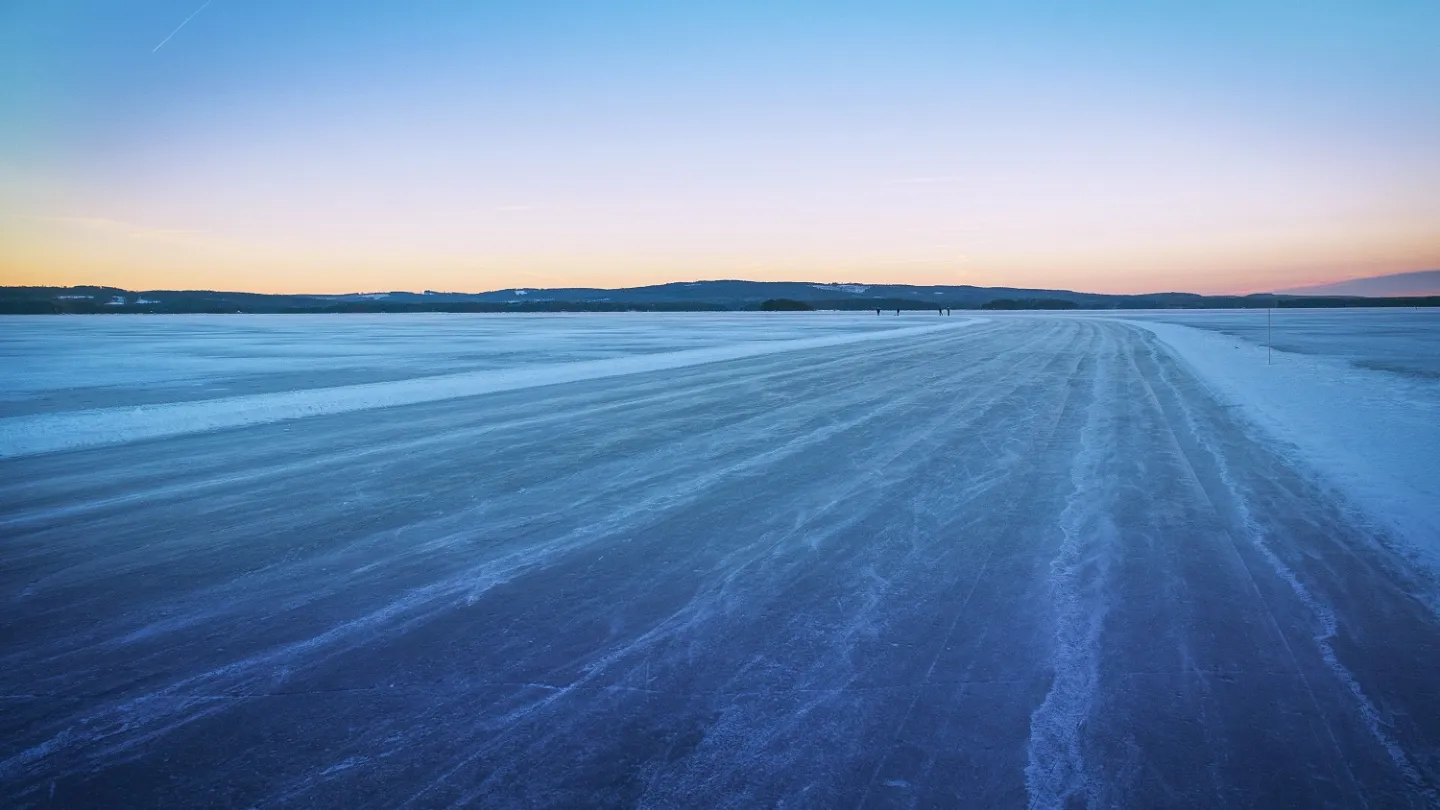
[[48, 432], [660, 560], [1374, 433]]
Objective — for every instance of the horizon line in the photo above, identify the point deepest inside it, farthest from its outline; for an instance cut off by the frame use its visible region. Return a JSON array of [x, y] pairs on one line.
[[1289, 290]]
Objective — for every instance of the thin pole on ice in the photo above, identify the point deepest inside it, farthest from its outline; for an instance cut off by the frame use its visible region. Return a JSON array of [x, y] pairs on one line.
[[1274, 302]]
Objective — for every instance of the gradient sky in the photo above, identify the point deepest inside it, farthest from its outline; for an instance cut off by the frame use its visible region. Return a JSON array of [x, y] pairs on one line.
[[336, 146]]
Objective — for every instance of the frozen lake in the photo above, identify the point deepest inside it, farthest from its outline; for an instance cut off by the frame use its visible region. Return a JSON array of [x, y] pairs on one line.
[[732, 560], [88, 362], [1398, 339]]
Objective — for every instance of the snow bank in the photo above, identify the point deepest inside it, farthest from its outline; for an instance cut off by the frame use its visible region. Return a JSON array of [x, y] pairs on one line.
[[1374, 434], [49, 432]]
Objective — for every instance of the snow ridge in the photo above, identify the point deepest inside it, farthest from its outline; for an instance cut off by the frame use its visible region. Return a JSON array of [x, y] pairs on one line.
[[1056, 773]]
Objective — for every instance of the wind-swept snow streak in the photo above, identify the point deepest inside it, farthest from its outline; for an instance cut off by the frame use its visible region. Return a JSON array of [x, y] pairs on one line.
[[44, 433], [1057, 771], [1374, 434], [979, 567], [1326, 624], [121, 726]]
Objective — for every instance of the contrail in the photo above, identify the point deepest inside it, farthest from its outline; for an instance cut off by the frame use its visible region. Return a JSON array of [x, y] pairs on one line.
[[181, 25]]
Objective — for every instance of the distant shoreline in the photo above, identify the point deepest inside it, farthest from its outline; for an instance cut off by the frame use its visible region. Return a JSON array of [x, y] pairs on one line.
[[703, 296]]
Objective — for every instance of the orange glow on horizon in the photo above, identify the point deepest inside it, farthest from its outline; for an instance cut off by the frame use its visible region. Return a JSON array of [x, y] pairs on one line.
[[486, 148]]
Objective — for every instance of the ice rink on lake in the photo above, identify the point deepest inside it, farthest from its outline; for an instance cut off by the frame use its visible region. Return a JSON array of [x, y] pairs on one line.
[[728, 560]]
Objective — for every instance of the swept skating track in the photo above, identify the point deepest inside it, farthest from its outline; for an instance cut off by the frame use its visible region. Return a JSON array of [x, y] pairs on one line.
[[1009, 562]]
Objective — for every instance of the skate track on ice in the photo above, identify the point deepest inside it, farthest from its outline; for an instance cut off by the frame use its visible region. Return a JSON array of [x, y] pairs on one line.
[[1024, 561]]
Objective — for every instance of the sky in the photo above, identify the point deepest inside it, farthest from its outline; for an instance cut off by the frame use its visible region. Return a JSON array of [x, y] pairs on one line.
[[326, 146]]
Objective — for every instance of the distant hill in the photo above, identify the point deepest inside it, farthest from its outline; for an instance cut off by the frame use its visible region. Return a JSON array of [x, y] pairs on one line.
[[1424, 282], [724, 295]]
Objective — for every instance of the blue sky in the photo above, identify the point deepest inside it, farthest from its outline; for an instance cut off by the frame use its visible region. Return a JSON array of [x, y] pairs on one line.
[[326, 146]]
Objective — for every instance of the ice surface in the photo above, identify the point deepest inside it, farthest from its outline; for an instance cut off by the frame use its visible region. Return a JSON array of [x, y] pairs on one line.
[[87, 362], [1375, 434], [732, 560], [48, 432], [1399, 339]]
